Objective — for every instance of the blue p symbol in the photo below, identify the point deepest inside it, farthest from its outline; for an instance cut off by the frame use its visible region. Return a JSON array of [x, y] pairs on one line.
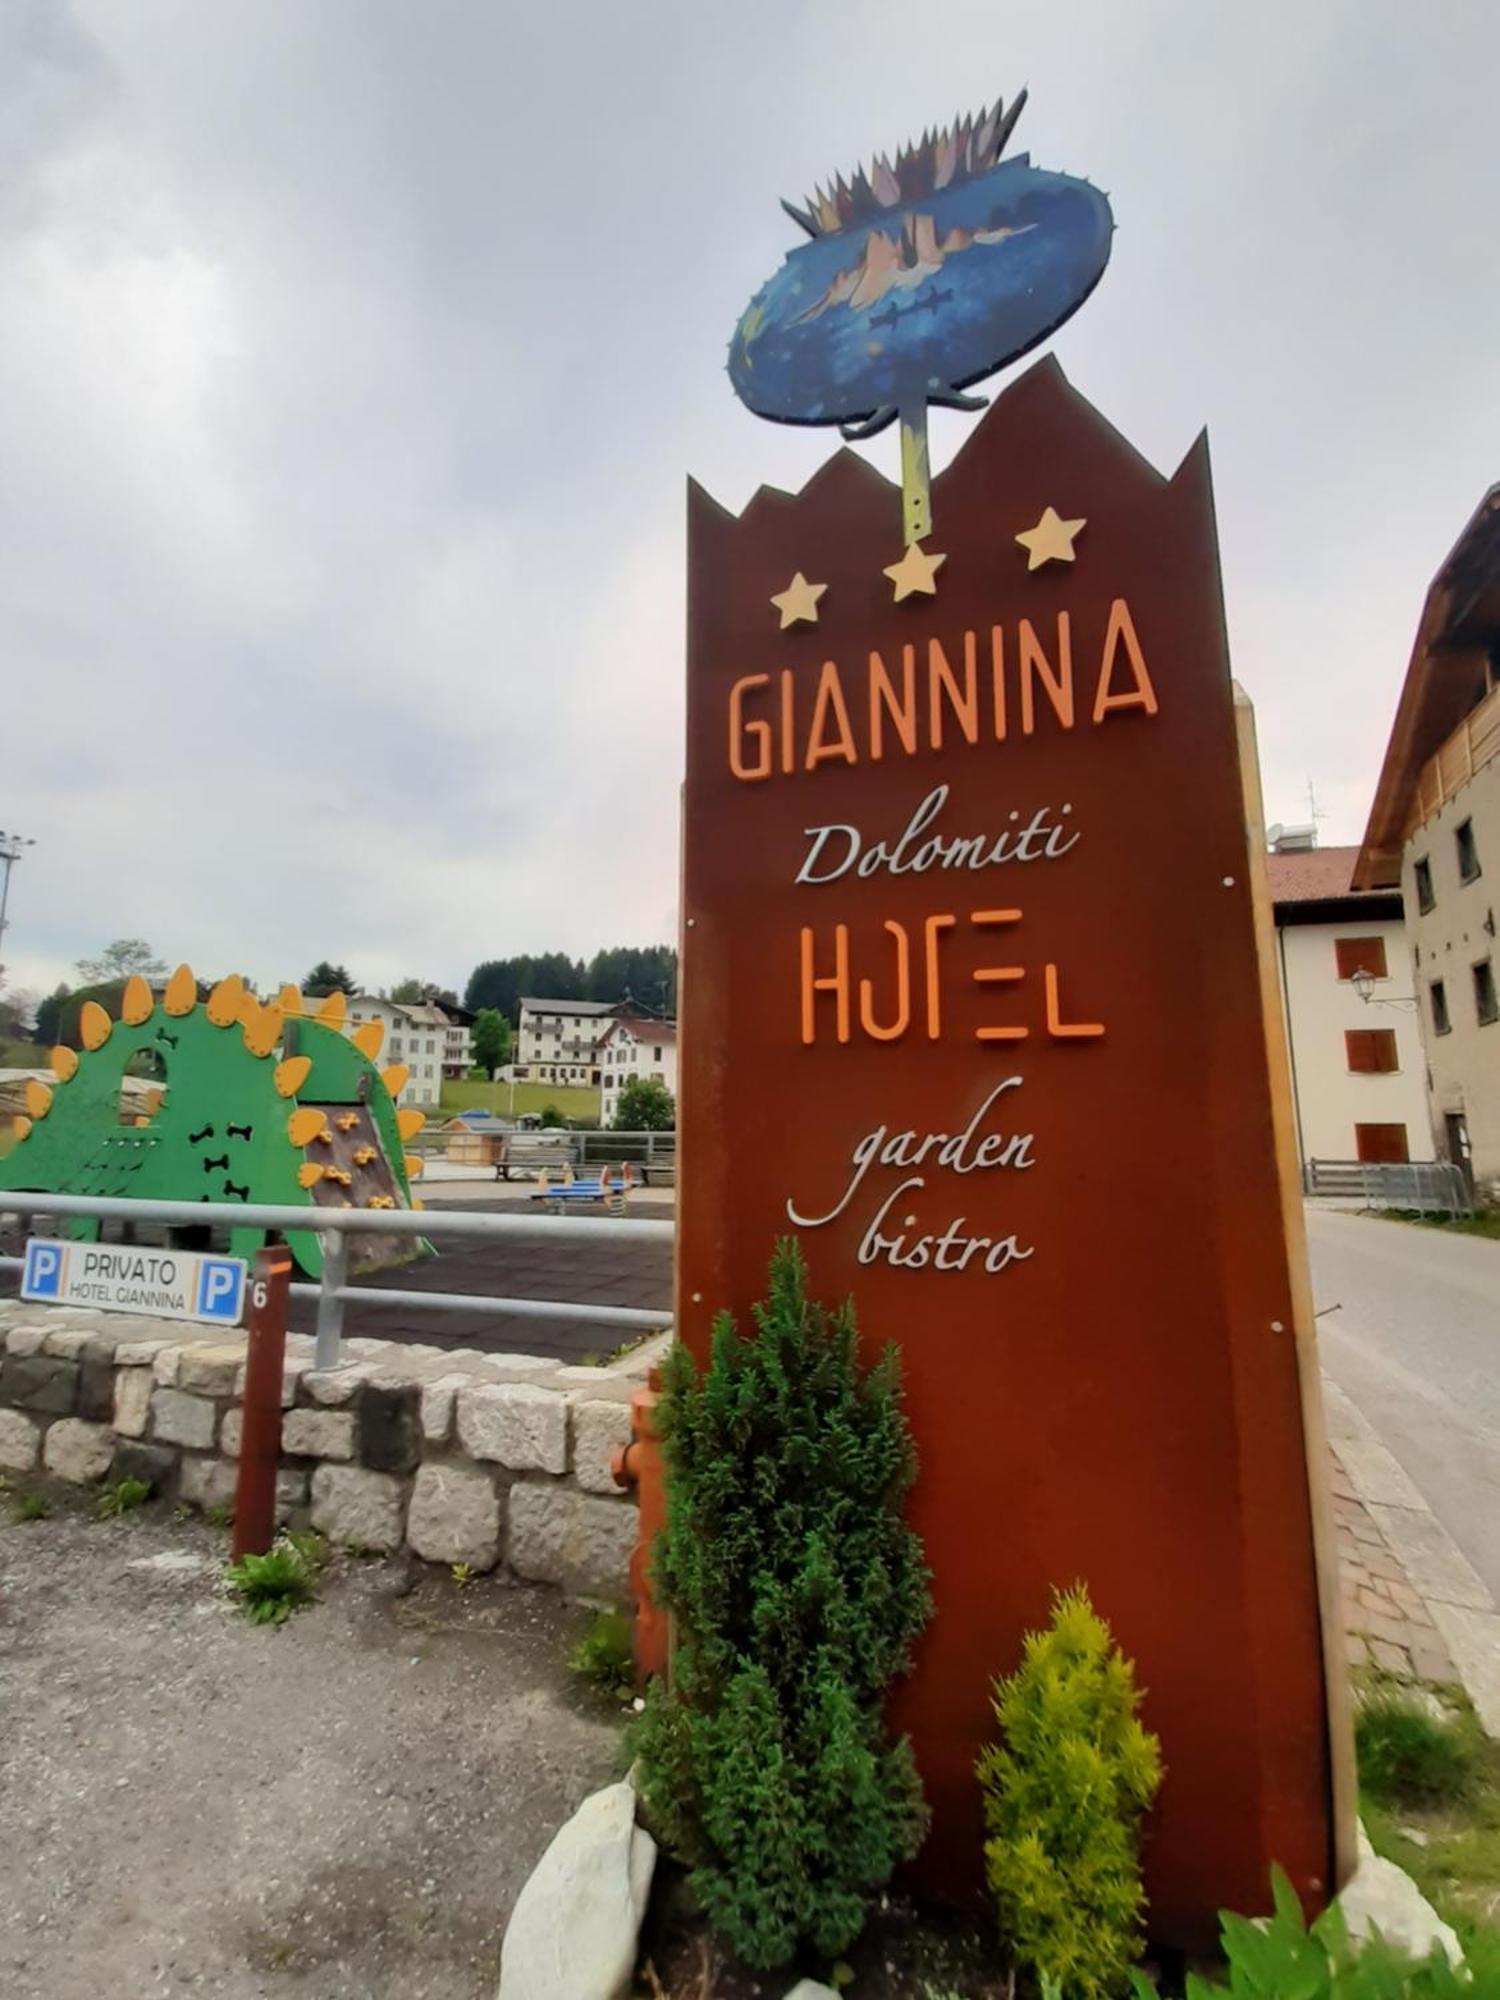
[[42, 1276], [220, 1286]]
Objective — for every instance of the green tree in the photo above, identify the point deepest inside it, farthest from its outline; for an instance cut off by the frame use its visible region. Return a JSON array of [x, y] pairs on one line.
[[491, 1040], [1065, 1790], [325, 979], [798, 1591], [120, 961], [49, 1015], [414, 992], [646, 1105]]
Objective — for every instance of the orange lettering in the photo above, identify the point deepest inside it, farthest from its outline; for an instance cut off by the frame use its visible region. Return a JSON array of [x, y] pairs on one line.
[[742, 733], [986, 975], [903, 992], [788, 722], [931, 930], [904, 715], [1058, 684], [997, 676], [830, 697], [1056, 1025], [836, 983], [965, 704], [1121, 631]]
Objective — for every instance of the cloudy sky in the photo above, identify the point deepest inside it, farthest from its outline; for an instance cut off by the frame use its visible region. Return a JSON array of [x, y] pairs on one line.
[[353, 352]]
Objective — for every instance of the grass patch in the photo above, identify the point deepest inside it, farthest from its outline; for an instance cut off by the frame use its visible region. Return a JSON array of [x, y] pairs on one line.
[[604, 1656], [271, 1587], [29, 1507], [1485, 1223], [572, 1100], [1430, 1800], [121, 1499]]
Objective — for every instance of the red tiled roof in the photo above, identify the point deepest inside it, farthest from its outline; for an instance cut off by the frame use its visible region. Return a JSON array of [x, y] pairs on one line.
[[1315, 875]]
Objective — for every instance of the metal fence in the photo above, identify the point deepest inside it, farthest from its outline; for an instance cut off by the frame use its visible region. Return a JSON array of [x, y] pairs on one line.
[[334, 1226], [1432, 1187], [653, 1154]]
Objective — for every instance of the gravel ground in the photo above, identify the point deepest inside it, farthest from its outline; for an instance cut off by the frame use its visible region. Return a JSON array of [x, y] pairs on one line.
[[347, 1805]]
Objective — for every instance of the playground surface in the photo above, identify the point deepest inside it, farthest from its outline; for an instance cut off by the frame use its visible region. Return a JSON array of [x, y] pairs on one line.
[[345, 1806]]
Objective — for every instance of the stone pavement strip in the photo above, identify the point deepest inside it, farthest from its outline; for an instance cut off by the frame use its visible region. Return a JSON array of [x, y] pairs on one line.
[[1412, 1602]]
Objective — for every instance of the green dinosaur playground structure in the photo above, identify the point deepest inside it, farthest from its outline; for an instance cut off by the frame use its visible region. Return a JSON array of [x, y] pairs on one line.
[[230, 1100]]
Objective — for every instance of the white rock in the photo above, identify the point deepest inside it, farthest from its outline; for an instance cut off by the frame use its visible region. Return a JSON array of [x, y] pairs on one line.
[[183, 1419], [559, 1535], [25, 1340], [454, 1516], [333, 1387], [165, 1364], [437, 1406], [521, 1426], [573, 1932], [139, 1353], [132, 1401], [231, 1431], [19, 1439], [318, 1433], [207, 1482], [600, 1426], [1381, 1897], [210, 1367], [67, 1343], [356, 1508], [78, 1451], [809, 1989]]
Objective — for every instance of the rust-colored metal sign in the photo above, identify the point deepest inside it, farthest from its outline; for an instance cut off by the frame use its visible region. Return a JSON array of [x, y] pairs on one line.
[[972, 1003]]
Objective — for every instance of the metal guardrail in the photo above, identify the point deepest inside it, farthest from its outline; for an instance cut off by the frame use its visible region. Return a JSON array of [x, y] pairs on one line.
[[336, 1225], [1433, 1187], [654, 1153]]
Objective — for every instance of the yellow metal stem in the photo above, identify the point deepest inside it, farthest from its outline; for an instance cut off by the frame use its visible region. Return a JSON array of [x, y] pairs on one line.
[[916, 476]]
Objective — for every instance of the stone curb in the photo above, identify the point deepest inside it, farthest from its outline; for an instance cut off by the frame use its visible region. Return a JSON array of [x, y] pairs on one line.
[[1456, 1596]]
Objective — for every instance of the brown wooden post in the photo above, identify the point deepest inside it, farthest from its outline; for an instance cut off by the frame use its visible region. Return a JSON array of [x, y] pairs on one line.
[[260, 1436]]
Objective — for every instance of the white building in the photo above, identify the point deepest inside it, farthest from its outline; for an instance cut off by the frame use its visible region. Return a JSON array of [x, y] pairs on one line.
[[420, 1035], [1358, 1076], [558, 1040], [632, 1047]]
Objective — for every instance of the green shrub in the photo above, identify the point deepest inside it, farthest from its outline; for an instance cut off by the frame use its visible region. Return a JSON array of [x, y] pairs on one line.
[[798, 1591], [29, 1507], [1407, 1756], [1064, 1792], [1280, 1958], [121, 1497], [271, 1587], [605, 1655]]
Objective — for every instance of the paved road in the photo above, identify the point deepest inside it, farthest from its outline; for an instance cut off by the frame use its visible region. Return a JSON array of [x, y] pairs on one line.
[[1416, 1344]]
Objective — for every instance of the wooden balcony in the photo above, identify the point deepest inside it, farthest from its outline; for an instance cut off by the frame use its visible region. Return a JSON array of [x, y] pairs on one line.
[[1475, 743]]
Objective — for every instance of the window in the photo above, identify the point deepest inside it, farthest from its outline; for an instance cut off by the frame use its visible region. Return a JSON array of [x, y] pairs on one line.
[[1425, 898], [656, 1055], [1440, 1022], [1360, 955], [1381, 1144], [1371, 1051], [1468, 854], [1486, 1001]]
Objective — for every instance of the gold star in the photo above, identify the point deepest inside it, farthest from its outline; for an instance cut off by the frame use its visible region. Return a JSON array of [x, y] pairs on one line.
[[916, 571], [1051, 540], [798, 603]]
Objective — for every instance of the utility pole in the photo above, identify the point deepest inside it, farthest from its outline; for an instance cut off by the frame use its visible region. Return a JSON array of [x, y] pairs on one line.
[[11, 845]]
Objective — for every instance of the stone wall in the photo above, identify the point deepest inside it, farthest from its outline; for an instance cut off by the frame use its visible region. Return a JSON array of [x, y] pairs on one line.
[[491, 1460]]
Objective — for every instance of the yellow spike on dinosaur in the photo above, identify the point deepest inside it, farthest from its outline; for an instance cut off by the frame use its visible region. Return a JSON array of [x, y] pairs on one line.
[[332, 1011], [38, 1098], [309, 1174], [94, 1025], [369, 1039], [181, 996], [289, 1000], [64, 1063], [224, 1002], [264, 1031], [409, 1123], [414, 1166], [21, 1126], [248, 1011], [306, 1125], [137, 1002], [292, 1074], [395, 1078]]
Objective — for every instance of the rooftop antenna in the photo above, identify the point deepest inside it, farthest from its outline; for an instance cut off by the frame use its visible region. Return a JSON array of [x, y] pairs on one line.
[[1313, 813]]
